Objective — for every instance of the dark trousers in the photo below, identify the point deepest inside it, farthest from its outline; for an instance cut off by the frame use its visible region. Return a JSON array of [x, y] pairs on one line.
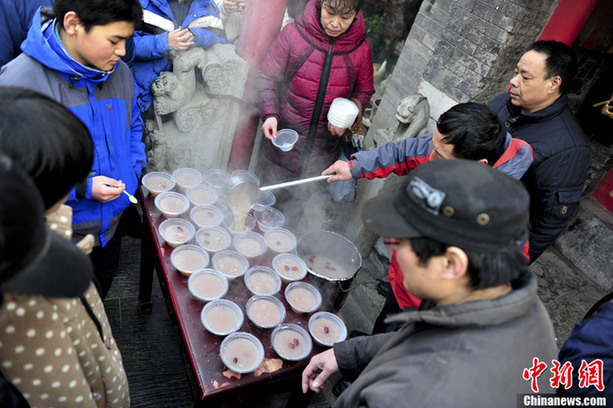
[[106, 259]]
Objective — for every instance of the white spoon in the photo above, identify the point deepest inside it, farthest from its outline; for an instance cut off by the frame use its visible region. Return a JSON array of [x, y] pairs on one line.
[[133, 199]]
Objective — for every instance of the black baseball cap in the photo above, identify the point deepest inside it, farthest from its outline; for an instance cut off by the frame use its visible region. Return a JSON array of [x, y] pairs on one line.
[[457, 202]]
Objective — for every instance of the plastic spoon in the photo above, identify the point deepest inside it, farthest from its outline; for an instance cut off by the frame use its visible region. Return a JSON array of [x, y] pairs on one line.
[[133, 199]]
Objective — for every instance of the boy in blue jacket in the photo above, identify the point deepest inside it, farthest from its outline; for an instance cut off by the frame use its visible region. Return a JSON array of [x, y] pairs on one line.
[[74, 56]]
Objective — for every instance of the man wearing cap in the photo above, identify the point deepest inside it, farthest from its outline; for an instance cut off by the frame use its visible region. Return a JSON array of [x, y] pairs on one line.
[[455, 226]]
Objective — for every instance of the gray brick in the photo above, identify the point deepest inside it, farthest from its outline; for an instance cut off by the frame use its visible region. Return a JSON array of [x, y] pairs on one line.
[[420, 49], [510, 10], [440, 15], [430, 41], [430, 25], [495, 33], [417, 32]]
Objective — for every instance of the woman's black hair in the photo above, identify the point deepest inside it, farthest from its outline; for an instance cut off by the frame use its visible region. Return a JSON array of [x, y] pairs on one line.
[[46, 140]]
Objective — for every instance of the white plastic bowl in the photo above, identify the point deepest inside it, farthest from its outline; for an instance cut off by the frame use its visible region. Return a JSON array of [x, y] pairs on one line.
[[186, 178], [201, 195], [207, 285], [221, 317], [158, 182], [286, 139], [206, 216], [176, 231], [230, 263], [213, 239], [290, 267], [262, 280], [261, 311], [250, 244], [189, 258], [269, 218], [241, 352], [280, 240], [327, 328], [302, 297], [291, 342], [171, 204]]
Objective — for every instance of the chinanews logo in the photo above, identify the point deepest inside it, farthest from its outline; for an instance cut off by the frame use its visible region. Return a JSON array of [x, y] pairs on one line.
[[589, 374]]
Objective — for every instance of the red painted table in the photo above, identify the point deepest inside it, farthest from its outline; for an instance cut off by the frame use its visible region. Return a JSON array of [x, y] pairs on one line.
[[201, 348]]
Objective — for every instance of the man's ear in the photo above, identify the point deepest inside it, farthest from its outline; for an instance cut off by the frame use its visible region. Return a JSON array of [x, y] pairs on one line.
[[456, 263], [72, 23], [482, 161], [556, 82]]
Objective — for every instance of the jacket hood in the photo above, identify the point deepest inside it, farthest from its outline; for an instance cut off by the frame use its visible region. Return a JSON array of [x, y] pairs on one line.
[[480, 313], [44, 45], [310, 20]]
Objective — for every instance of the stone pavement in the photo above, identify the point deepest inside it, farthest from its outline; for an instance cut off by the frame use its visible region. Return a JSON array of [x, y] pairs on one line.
[[156, 372]]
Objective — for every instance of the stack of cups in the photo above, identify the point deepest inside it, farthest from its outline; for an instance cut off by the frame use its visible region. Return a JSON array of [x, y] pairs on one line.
[[342, 113]]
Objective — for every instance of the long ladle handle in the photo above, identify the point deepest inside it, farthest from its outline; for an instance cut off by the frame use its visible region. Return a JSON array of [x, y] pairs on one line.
[[295, 182]]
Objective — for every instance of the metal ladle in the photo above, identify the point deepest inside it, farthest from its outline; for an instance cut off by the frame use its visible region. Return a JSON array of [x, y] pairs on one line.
[[241, 192]]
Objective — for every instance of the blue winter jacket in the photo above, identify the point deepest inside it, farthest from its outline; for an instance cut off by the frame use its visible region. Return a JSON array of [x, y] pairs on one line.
[[152, 46], [105, 102], [15, 19]]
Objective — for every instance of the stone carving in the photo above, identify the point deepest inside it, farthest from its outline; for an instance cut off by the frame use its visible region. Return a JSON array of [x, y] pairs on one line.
[[412, 117], [196, 109]]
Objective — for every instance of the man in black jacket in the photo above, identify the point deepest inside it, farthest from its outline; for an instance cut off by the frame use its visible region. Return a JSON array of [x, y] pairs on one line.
[[536, 110]]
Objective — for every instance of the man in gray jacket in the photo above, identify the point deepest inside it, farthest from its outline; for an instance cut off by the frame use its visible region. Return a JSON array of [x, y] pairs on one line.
[[457, 228]]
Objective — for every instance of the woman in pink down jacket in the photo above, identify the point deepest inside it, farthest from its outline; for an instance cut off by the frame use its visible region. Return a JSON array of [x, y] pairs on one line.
[[323, 55]]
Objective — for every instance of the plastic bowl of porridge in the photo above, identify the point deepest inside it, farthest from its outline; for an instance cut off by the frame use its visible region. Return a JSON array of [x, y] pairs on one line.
[[171, 204], [241, 352], [302, 297], [265, 312], [158, 182], [249, 244], [207, 285], [291, 342], [262, 280], [267, 199], [269, 218], [201, 195], [280, 240], [176, 231], [290, 267], [189, 258], [213, 239], [327, 328], [230, 263], [206, 216], [186, 178], [221, 317]]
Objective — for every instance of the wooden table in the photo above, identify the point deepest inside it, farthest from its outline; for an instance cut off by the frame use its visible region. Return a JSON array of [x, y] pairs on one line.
[[200, 348]]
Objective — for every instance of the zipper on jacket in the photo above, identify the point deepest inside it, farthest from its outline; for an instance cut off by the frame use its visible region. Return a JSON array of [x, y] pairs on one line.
[[319, 103]]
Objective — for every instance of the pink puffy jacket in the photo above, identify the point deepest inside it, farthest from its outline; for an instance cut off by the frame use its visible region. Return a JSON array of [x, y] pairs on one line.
[[304, 71]]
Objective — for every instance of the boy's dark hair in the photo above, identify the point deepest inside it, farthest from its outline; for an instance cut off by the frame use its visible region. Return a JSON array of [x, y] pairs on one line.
[[475, 132], [46, 140], [485, 270], [344, 5], [561, 61], [100, 12]]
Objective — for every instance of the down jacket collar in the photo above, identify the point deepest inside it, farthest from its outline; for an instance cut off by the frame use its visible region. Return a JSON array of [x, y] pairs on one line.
[[43, 44], [310, 21], [480, 313]]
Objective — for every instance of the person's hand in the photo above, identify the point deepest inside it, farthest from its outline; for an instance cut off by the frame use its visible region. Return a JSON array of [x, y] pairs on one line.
[[321, 366], [105, 189], [336, 131], [341, 168], [180, 39], [270, 128]]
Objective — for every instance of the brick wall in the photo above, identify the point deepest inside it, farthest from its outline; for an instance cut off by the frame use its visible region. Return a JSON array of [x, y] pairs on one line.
[[462, 50]]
